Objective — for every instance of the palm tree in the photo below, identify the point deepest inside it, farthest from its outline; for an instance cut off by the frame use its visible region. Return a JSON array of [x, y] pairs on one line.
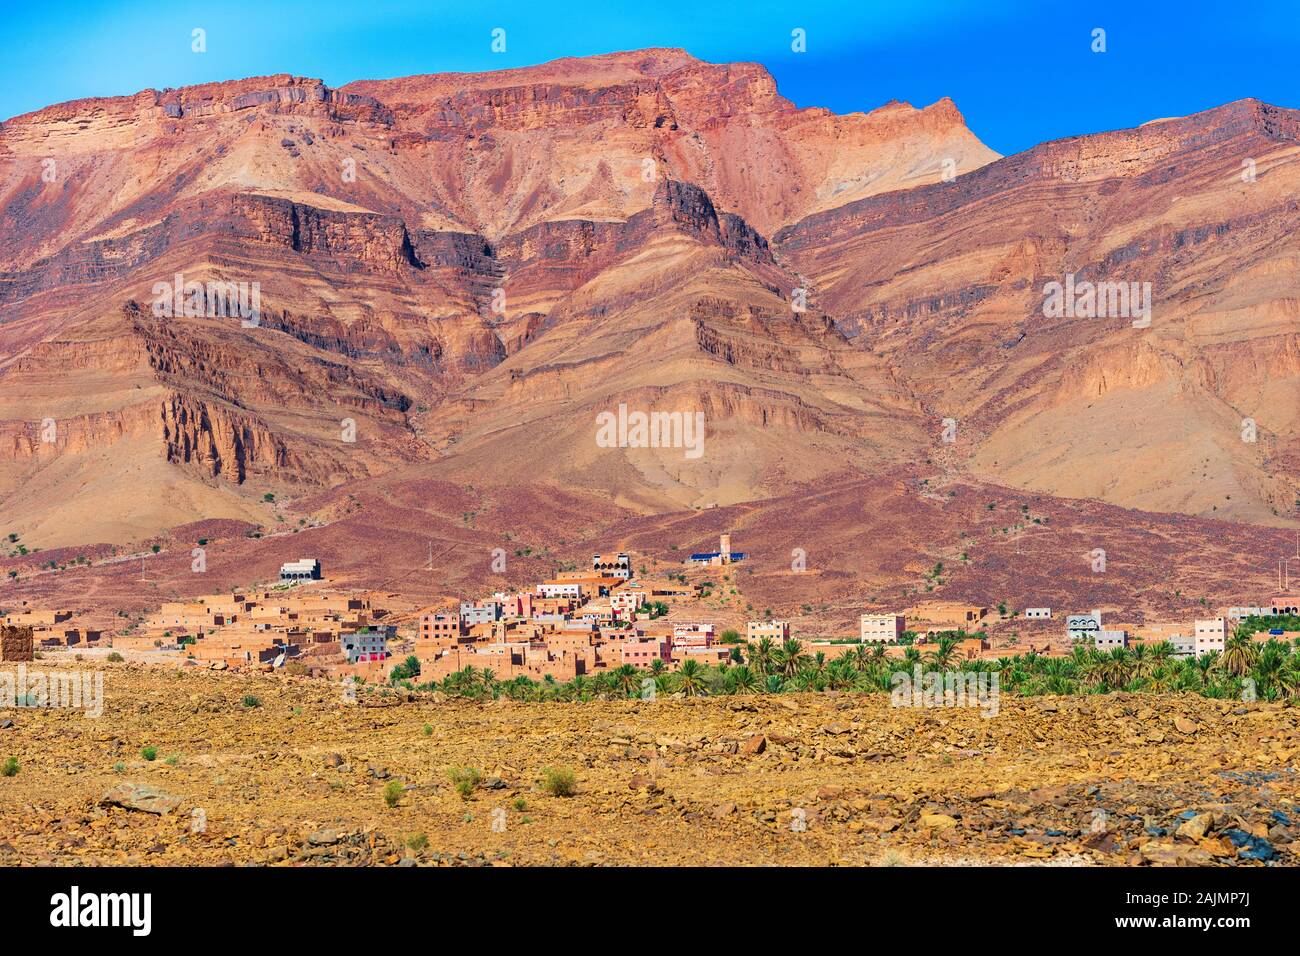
[[1270, 664], [807, 680], [841, 674], [762, 655], [690, 678], [626, 679], [578, 688], [1239, 655], [943, 653], [600, 686], [741, 679], [790, 659], [818, 663], [1116, 670]]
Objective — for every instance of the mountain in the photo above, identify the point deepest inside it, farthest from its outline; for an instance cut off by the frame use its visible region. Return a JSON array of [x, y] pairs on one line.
[[947, 282], [456, 276]]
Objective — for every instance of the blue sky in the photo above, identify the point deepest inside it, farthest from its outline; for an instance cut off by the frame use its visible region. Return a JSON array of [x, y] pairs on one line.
[[1021, 71]]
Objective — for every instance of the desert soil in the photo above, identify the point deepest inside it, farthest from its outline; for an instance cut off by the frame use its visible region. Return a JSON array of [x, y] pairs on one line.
[[789, 779]]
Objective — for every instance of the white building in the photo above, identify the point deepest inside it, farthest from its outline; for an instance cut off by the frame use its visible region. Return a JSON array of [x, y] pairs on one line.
[[560, 589], [1239, 612], [881, 628], [612, 565], [1105, 640], [1083, 627], [697, 635], [778, 631], [1211, 635], [367, 645], [304, 569], [1038, 613]]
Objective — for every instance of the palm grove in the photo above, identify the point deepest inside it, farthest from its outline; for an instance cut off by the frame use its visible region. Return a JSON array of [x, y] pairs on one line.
[[1246, 669]]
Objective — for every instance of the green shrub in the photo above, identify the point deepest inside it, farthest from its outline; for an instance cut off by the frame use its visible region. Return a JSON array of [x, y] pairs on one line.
[[10, 767], [148, 753], [392, 793], [115, 658], [417, 842], [465, 780], [251, 701], [559, 781]]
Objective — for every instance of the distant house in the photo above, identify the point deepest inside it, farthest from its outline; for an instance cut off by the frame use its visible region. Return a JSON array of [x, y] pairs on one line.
[[1083, 627], [1105, 640], [778, 631], [304, 569], [612, 565], [479, 612], [369, 644], [883, 628], [1211, 635], [1038, 613], [1285, 604], [1236, 613], [724, 554]]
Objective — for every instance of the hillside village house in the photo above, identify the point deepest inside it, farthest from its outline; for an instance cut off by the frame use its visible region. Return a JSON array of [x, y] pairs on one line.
[[1211, 635], [612, 565], [1105, 640], [1038, 613], [479, 612], [935, 617], [365, 645], [304, 569], [778, 631], [881, 628], [1285, 604], [51, 628], [724, 554]]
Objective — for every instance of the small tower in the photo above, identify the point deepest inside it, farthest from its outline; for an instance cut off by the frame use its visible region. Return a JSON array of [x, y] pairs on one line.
[[724, 548]]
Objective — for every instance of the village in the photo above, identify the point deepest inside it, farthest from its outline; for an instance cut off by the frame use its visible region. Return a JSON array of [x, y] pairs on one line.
[[578, 623]]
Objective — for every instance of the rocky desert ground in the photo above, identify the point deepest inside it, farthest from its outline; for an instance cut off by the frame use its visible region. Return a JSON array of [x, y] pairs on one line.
[[282, 771]]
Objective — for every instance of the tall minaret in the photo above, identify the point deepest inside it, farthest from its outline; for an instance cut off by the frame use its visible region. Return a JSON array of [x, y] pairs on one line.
[[725, 548]]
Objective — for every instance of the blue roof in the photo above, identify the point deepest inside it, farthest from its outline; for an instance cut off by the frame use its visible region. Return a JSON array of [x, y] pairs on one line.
[[710, 555]]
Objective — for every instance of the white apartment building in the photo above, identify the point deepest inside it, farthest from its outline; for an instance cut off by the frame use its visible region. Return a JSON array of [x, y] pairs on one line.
[[1038, 613], [1211, 635], [886, 628], [778, 631], [562, 589]]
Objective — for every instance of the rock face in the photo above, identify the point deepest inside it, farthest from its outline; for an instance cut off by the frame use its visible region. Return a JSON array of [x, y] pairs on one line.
[[1198, 411], [271, 287]]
